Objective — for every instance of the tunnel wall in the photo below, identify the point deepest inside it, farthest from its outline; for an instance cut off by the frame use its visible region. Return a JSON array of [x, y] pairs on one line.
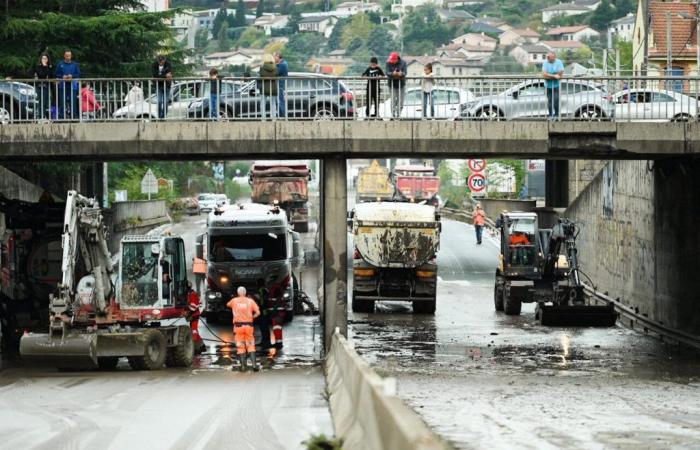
[[644, 258]]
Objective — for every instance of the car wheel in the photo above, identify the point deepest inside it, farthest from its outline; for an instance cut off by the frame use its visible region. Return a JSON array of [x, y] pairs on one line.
[[590, 113], [489, 113], [681, 118], [324, 112]]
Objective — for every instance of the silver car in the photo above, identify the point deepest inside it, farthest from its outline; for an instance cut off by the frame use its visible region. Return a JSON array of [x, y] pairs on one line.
[[579, 99]]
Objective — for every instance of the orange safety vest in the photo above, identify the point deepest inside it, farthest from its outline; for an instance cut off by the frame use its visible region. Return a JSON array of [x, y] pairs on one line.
[[199, 266]]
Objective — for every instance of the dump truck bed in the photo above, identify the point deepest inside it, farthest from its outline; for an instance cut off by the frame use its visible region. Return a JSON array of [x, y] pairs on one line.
[[373, 183]]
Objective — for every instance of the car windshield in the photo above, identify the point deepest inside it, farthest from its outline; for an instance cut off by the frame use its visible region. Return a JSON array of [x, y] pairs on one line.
[[256, 247], [206, 198]]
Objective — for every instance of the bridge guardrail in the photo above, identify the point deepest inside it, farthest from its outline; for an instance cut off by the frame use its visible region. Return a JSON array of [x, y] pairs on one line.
[[319, 97], [367, 414]]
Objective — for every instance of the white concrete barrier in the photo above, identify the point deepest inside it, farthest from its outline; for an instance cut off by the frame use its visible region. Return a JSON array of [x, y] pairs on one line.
[[367, 414]]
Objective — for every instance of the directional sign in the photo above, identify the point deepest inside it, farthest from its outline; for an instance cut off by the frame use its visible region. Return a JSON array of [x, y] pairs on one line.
[[477, 165], [149, 184], [477, 184]]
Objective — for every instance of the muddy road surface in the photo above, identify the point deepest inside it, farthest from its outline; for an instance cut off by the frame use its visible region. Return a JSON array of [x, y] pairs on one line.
[[482, 379]]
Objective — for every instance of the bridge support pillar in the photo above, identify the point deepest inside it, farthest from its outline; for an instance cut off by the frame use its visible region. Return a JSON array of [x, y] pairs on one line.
[[556, 184], [334, 237]]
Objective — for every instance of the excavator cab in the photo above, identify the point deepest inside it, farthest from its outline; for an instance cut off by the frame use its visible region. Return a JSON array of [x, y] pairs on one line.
[[520, 245]]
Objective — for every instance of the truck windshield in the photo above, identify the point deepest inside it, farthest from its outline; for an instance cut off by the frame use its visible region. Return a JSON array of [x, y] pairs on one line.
[[139, 274], [256, 247]]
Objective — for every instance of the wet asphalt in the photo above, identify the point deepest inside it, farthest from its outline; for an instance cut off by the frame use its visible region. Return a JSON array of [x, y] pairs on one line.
[[482, 379]]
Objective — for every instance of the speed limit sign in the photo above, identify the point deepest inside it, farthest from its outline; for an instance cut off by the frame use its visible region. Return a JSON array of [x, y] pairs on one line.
[[477, 184], [477, 165]]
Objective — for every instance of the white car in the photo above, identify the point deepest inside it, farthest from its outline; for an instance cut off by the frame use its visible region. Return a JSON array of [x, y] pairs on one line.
[[207, 202], [447, 103], [654, 105], [221, 200]]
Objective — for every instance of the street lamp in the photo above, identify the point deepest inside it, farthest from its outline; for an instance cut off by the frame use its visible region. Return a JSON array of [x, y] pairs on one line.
[[685, 15]]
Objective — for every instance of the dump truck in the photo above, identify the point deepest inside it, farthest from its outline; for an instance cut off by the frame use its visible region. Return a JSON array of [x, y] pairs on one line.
[[374, 184], [541, 265], [103, 310], [395, 255], [245, 243], [416, 184], [30, 265], [286, 184]]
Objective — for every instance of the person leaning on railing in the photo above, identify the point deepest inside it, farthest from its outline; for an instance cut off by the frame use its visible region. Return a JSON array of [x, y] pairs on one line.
[[552, 71], [44, 72], [162, 71], [267, 85], [68, 89]]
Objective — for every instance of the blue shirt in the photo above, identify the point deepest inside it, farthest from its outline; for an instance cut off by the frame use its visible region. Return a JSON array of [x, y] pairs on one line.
[[553, 69], [71, 68], [282, 71]]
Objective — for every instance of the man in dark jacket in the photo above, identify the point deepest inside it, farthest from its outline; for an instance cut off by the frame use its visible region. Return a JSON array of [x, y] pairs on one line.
[[68, 90], [282, 72], [396, 71], [162, 71]]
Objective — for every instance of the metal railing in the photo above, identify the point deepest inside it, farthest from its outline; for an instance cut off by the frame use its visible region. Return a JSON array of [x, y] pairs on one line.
[[316, 97]]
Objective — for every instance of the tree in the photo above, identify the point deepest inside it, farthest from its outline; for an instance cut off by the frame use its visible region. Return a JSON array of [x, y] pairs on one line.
[[380, 43], [260, 8], [602, 16], [334, 40], [220, 19], [359, 27], [201, 38], [252, 37], [222, 37], [301, 47], [104, 36], [622, 7], [239, 18], [423, 31]]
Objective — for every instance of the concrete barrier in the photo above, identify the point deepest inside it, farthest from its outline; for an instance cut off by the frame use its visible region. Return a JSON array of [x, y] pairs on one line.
[[367, 414], [134, 217]]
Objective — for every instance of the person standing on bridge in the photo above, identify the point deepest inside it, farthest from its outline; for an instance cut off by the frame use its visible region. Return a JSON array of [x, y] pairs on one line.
[[553, 72], [282, 73], [44, 72], [245, 311], [396, 71], [267, 86], [373, 72], [214, 84], [68, 71], [162, 71], [479, 218]]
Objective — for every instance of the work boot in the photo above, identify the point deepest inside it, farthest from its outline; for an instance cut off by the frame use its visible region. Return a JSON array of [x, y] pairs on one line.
[[243, 359], [253, 362]]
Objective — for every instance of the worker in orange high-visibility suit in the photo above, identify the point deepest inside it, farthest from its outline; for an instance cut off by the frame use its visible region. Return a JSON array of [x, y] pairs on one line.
[[244, 310], [194, 305]]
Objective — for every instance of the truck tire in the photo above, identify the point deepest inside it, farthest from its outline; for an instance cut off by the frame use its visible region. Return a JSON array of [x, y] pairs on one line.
[[107, 362], [424, 306], [182, 354], [153, 353], [511, 305], [362, 306], [498, 294]]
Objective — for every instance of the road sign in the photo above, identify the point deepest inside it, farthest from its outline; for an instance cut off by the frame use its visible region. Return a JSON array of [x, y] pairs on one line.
[[477, 184], [477, 165], [218, 170], [149, 184]]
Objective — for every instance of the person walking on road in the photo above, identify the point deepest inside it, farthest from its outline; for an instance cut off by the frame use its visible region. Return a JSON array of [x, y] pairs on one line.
[[282, 73], [373, 72], [194, 304], [162, 71], [43, 72], [396, 71], [68, 90], [552, 71], [267, 86], [245, 311], [479, 218]]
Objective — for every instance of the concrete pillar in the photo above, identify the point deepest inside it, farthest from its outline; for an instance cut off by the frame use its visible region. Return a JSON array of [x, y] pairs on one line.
[[334, 238], [556, 189]]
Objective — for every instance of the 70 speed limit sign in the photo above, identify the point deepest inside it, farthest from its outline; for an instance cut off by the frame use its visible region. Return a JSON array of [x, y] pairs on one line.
[[477, 184]]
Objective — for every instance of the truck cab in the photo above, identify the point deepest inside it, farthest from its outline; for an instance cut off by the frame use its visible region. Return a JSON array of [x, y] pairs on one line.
[[417, 184], [245, 243]]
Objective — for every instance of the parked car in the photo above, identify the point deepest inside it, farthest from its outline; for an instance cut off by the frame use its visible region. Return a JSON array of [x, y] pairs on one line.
[[577, 99], [221, 200], [447, 100], [207, 202], [308, 95], [654, 105], [18, 101], [182, 94]]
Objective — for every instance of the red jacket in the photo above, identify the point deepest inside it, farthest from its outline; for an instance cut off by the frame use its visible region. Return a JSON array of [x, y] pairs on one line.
[[193, 303], [88, 102]]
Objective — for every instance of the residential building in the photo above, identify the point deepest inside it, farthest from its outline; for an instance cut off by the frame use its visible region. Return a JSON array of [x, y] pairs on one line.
[[318, 24], [679, 52], [592, 5], [572, 33], [483, 27], [463, 50], [205, 18], [401, 6], [563, 9], [347, 9], [240, 57], [454, 15], [529, 55], [184, 27], [443, 67], [517, 36], [476, 40], [623, 28], [156, 5], [270, 21], [330, 66], [559, 46]]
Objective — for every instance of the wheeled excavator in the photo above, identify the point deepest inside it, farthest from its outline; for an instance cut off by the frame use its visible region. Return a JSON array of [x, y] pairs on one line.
[[117, 308], [541, 265]]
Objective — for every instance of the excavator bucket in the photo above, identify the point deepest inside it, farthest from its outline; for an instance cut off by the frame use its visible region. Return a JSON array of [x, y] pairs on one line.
[[576, 315], [74, 351]]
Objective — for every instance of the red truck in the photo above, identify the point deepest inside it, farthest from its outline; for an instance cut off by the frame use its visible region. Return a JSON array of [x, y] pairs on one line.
[[417, 183], [285, 183]]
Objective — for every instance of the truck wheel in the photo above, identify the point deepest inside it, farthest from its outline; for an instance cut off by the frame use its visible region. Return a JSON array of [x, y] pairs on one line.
[[183, 353], [153, 353], [108, 362], [511, 305], [424, 306], [362, 306], [302, 227], [498, 294]]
